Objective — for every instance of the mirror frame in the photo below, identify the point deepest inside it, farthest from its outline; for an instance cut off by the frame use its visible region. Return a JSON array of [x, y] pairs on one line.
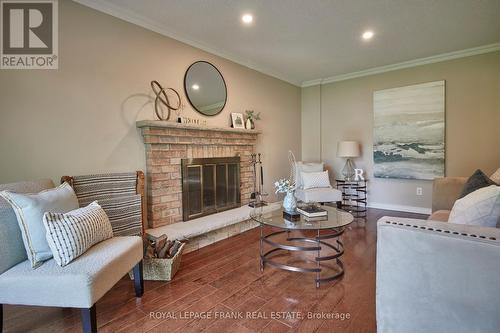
[[186, 92]]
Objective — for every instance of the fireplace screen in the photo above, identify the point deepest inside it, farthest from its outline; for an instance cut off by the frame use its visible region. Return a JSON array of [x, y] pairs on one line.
[[209, 185]]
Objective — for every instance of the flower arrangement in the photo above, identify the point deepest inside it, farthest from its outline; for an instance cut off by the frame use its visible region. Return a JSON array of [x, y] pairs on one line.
[[251, 118], [284, 186], [288, 187]]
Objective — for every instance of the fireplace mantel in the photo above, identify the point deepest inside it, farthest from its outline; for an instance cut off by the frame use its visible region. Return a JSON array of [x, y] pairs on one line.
[[167, 143], [169, 124]]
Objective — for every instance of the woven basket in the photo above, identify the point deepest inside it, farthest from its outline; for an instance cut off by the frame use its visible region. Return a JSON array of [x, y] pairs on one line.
[[159, 269]]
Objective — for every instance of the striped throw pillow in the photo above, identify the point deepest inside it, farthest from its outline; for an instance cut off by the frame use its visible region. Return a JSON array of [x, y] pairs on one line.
[[71, 234]]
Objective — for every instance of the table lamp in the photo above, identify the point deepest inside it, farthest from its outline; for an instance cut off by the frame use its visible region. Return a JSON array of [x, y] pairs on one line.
[[348, 149]]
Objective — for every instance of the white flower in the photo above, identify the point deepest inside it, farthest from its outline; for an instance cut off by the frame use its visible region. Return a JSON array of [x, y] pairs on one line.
[[283, 186]]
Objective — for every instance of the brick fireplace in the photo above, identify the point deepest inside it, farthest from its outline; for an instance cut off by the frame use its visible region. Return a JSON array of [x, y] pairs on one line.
[[167, 143]]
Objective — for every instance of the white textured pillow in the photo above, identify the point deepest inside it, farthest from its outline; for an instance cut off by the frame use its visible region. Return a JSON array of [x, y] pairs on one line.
[[70, 235], [306, 167], [481, 207], [29, 209], [315, 180], [496, 176]]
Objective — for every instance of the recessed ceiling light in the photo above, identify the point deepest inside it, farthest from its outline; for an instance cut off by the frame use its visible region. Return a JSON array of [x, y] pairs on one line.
[[367, 35], [195, 87], [247, 18]]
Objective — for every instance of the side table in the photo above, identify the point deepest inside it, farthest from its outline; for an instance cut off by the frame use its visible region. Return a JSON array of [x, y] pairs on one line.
[[353, 196]]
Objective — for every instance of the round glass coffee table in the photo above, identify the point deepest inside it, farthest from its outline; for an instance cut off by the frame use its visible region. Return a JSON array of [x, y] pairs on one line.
[[319, 231]]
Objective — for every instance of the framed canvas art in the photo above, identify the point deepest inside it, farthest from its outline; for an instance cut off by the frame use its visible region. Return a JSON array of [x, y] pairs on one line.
[[409, 131]]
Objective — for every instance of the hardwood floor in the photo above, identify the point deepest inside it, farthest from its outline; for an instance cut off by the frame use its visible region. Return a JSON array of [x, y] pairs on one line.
[[221, 282]]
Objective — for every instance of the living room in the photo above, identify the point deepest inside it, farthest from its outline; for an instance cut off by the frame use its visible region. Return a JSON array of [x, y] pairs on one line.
[[250, 166]]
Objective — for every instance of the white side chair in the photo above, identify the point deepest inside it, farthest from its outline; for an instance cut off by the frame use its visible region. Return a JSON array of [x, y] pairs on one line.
[[78, 285], [320, 194]]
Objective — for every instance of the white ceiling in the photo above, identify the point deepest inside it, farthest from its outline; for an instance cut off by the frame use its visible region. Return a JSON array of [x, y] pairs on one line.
[[303, 40]]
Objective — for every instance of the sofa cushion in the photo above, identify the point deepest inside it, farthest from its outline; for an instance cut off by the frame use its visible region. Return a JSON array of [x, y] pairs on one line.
[[440, 215], [124, 213], [71, 234], [117, 194], [315, 180], [12, 250], [78, 285], [445, 191], [305, 167], [475, 182], [29, 209], [319, 195], [481, 207]]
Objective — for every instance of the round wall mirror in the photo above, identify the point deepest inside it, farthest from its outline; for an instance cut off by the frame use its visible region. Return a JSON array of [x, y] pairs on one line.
[[205, 88]]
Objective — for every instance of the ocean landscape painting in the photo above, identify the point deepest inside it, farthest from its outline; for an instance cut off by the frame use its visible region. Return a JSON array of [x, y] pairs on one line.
[[409, 131]]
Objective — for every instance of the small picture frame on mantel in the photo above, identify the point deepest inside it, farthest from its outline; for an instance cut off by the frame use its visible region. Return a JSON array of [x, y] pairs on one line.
[[237, 120]]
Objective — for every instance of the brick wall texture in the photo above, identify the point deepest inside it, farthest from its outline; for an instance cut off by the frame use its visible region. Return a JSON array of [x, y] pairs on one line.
[[166, 147]]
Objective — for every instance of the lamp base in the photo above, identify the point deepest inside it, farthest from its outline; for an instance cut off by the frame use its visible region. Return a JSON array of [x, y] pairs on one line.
[[348, 170]]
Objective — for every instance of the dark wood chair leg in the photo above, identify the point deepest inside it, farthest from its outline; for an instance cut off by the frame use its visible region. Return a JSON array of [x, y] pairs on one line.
[[138, 280], [89, 321]]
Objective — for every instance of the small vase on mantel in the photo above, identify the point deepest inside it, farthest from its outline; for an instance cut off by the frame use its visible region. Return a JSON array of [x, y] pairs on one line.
[[290, 202], [249, 124]]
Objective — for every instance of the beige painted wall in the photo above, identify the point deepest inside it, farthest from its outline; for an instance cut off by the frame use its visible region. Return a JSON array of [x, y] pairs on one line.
[[472, 122], [311, 118], [81, 118]]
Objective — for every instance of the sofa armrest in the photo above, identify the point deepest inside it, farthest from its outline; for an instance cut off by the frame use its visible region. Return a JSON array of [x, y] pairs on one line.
[[445, 191], [437, 277]]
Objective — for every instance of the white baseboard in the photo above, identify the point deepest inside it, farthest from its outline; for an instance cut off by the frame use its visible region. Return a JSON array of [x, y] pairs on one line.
[[400, 208]]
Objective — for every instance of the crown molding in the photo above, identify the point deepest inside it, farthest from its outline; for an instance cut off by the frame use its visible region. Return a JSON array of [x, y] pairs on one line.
[[139, 20], [406, 64]]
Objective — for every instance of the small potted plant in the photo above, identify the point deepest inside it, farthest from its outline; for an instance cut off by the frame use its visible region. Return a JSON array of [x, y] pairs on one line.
[[251, 118], [286, 186]]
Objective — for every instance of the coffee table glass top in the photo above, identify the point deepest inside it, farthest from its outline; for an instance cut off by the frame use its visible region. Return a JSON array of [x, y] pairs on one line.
[[336, 218]]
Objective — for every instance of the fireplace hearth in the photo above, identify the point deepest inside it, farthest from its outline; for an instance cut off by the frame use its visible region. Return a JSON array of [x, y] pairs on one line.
[[209, 185]]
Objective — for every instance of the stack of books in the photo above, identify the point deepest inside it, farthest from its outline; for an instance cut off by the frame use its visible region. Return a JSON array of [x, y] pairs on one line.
[[313, 213]]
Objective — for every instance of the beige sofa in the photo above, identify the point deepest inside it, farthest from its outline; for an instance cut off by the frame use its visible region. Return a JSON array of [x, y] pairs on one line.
[[437, 277], [445, 191]]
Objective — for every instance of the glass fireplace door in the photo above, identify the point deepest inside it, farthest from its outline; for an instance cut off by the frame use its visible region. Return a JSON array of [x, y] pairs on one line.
[[210, 185]]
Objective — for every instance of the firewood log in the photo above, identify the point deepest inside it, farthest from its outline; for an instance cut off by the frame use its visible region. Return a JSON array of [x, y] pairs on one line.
[[173, 250], [164, 251], [150, 252], [160, 243]]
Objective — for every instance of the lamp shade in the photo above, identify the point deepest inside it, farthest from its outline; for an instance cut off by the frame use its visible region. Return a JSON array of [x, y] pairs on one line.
[[348, 149]]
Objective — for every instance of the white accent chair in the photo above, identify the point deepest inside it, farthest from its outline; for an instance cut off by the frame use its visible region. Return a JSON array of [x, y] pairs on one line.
[[79, 285], [321, 194], [437, 277]]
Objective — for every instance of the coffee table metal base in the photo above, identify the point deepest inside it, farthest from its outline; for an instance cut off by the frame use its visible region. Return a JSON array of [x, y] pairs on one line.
[[317, 244]]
